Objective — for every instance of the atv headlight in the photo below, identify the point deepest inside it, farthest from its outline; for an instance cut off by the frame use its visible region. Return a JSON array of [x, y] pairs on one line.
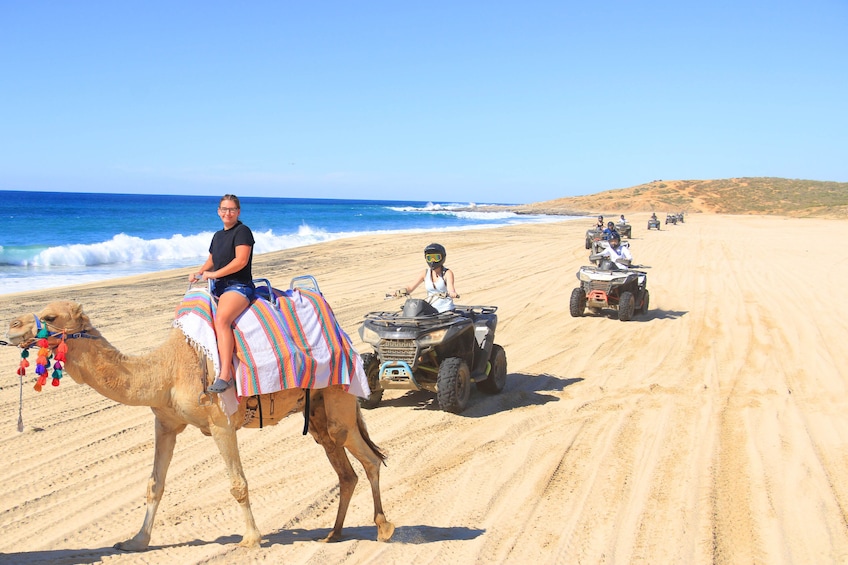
[[432, 338], [369, 336], [583, 277]]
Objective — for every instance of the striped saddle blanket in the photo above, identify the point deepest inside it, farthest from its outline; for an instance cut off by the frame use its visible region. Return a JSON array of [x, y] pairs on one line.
[[294, 343]]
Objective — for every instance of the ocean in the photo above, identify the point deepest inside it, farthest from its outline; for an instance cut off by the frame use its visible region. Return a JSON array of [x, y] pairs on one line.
[[55, 239]]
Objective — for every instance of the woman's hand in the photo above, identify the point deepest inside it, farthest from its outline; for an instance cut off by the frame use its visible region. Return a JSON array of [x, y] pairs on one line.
[[195, 277]]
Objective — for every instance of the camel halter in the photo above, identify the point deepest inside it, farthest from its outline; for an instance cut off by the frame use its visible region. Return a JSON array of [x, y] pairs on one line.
[[42, 363], [46, 353]]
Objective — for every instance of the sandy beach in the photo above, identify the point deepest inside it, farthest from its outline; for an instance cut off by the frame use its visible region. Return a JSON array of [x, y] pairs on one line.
[[714, 429]]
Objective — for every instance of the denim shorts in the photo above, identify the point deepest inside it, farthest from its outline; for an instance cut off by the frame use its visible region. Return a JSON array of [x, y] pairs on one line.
[[246, 290]]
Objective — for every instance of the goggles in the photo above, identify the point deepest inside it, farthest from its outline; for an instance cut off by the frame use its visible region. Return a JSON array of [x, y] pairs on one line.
[[433, 257]]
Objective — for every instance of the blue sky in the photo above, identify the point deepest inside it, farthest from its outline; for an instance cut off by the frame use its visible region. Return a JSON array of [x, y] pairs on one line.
[[449, 101]]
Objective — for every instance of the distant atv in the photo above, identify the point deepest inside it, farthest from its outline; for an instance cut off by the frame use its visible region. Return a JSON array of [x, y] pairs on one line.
[[625, 230], [654, 223], [419, 348], [592, 235], [604, 287], [671, 218]]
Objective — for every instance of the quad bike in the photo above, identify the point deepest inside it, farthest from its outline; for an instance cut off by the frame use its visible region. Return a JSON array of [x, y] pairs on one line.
[[592, 235], [420, 348], [624, 229], [605, 286], [671, 218], [654, 223]]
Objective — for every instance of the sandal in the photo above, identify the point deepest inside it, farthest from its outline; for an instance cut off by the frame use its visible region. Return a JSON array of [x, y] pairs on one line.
[[219, 386]]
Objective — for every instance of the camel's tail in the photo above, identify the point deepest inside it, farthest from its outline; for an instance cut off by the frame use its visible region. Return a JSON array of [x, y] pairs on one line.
[[363, 431]]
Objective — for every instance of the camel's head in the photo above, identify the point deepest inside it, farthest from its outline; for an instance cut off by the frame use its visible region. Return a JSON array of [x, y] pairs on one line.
[[57, 317]]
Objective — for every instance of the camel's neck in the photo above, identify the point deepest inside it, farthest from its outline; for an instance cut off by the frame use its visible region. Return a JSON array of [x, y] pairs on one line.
[[131, 380]]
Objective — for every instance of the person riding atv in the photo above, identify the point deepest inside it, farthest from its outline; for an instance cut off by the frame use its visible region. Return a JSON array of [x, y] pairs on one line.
[[618, 255], [595, 233], [622, 227], [654, 222], [441, 352], [437, 279], [433, 344], [609, 231], [612, 284]]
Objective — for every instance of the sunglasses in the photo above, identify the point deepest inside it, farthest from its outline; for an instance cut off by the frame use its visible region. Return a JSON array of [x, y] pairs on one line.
[[432, 257]]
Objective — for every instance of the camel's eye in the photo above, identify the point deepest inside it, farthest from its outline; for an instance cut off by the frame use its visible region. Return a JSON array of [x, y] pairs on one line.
[[49, 319]]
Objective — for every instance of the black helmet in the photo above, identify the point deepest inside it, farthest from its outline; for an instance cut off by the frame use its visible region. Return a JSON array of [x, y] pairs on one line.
[[614, 237], [435, 255], [610, 225]]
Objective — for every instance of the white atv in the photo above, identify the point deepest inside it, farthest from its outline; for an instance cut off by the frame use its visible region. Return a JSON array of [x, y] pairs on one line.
[[604, 286]]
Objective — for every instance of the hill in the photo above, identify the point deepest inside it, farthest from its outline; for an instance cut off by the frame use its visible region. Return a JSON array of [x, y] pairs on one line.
[[754, 195]]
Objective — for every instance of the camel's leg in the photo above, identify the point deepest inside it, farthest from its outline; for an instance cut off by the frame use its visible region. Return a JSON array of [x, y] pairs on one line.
[[165, 440], [338, 459], [225, 439], [371, 462], [346, 429]]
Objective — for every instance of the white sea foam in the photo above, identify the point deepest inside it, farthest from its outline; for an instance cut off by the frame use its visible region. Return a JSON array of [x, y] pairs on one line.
[[125, 255]]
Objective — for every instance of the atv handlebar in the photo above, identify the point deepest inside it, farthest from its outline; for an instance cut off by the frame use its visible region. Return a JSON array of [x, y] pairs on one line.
[[402, 293]]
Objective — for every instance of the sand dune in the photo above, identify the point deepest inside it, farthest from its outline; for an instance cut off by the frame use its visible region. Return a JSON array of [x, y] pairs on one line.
[[712, 430]]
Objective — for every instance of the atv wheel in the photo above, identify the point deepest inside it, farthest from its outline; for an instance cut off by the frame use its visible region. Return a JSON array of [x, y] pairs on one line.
[[588, 243], [626, 305], [372, 371], [496, 380], [646, 298], [453, 385], [577, 304]]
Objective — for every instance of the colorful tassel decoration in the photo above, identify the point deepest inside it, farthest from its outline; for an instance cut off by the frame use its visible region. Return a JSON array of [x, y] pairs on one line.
[[42, 362], [61, 349]]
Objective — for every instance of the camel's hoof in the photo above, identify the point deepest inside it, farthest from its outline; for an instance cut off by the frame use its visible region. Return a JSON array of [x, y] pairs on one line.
[[332, 537], [385, 531], [252, 543], [130, 545]]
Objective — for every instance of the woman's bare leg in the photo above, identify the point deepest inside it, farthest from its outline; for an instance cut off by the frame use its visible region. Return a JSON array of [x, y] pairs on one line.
[[230, 306]]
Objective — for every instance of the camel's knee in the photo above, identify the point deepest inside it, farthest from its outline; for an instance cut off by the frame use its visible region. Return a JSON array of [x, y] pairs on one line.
[[154, 490], [239, 491]]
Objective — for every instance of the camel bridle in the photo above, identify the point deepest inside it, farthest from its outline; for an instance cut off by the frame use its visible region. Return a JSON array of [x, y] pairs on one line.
[[54, 332]]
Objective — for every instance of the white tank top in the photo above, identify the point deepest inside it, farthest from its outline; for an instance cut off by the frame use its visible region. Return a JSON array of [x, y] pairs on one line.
[[436, 287]]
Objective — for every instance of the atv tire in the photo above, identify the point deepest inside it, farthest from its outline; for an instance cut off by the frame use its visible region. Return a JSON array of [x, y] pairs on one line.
[[372, 371], [646, 298], [453, 386], [588, 243], [577, 304], [626, 306], [496, 380]]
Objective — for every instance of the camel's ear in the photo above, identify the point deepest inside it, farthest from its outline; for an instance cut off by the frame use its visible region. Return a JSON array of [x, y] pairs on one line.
[[78, 314]]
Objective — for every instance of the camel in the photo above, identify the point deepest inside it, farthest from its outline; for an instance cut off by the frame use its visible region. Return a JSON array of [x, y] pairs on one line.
[[170, 381]]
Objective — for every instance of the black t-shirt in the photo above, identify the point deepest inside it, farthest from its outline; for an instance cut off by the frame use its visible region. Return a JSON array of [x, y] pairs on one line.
[[223, 250]]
